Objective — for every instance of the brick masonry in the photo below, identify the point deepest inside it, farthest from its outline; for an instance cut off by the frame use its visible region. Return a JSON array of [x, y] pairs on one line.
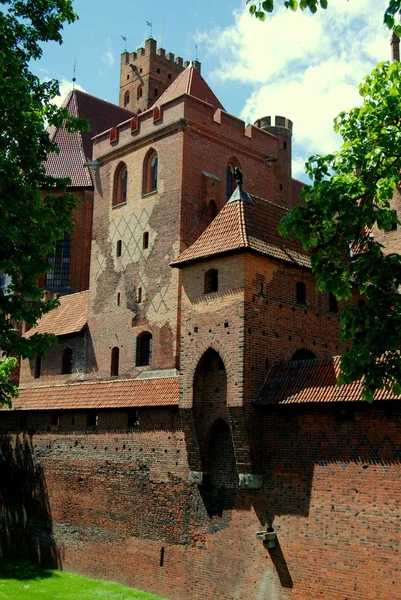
[[154, 497]]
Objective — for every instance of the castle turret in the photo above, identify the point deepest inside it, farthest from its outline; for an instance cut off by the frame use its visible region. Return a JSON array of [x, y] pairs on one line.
[[146, 74], [282, 129]]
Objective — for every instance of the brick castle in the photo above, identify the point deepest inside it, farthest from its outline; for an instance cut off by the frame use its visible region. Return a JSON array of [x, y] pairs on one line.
[[186, 436]]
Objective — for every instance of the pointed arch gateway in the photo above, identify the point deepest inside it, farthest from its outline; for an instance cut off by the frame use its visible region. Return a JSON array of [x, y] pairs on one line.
[[211, 421]]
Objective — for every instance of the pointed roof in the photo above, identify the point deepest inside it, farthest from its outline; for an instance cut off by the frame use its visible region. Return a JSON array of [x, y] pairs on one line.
[[305, 381], [69, 317], [242, 225], [189, 82], [76, 148]]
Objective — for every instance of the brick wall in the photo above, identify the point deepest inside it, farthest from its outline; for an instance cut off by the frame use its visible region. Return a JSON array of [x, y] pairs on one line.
[[118, 504]]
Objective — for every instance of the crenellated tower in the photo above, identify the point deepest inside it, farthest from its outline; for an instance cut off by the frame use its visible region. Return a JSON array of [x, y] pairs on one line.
[[281, 127], [146, 74]]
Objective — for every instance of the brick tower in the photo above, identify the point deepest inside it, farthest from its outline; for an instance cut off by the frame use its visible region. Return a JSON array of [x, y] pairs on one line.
[[146, 74]]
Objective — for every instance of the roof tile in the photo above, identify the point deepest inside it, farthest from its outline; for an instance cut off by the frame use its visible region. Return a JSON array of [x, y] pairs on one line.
[[190, 82], [310, 381], [100, 394], [240, 225], [76, 148], [69, 317]]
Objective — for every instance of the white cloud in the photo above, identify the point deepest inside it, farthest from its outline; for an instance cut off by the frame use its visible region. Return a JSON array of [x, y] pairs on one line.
[[304, 67], [107, 59], [65, 87]]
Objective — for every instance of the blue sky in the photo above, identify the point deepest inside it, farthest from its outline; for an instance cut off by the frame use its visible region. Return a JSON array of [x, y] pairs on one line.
[[304, 67]]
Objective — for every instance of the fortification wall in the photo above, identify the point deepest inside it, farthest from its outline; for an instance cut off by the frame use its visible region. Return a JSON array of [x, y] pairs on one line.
[[118, 504]]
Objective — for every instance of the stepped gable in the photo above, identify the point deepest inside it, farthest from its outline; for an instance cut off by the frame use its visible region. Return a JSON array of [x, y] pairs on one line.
[[70, 317], [306, 381], [76, 148], [100, 394], [189, 82], [242, 225]]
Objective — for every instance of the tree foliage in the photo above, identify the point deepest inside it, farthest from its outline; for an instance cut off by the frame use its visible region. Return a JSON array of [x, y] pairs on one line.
[[33, 217], [348, 200], [261, 8]]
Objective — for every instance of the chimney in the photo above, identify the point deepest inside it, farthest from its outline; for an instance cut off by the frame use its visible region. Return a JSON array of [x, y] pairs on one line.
[[395, 47]]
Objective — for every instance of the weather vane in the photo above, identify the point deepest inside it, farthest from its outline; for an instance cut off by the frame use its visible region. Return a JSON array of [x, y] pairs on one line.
[[74, 66], [149, 24], [125, 40]]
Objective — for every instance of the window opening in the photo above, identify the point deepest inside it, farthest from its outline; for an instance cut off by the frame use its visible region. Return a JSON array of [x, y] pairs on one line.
[[333, 304], [301, 293], [154, 167], [211, 281], [229, 182], [59, 258], [133, 417], [139, 295], [118, 248], [150, 172], [144, 349], [118, 299], [55, 420], [66, 361], [115, 357], [145, 240], [156, 92], [303, 354], [126, 98], [120, 185], [92, 419]]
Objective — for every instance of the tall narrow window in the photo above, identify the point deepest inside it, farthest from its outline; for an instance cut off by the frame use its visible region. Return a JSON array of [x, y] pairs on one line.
[[118, 248], [150, 172], [66, 361], [60, 260], [211, 281], [126, 98], [229, 182], [120, 185], [145, 240], [153, 172], [139, 295], [115, 358], [144, 349], [301, 293], [37, 367], [333, 304], [139, 92]]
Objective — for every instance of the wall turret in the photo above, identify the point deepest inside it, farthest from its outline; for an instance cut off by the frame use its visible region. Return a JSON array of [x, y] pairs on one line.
[[282, 129]]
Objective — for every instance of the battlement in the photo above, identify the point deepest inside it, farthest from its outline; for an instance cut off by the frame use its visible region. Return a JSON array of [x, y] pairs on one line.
[[147, 73], [152, 52], [266, 123]]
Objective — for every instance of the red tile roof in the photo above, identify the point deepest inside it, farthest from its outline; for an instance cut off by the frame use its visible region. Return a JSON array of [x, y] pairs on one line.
[[190, 82], [70, 317], [100, 394], [305, 381], [76, 148], [241, 225]]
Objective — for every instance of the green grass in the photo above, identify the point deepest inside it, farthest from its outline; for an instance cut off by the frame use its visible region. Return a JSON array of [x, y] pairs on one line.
[[22, 580]]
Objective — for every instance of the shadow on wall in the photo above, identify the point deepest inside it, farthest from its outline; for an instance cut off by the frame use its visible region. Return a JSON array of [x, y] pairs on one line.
[[25, 519]]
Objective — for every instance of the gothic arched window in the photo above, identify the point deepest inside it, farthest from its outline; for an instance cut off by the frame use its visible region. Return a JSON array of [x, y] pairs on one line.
[[120, 185]]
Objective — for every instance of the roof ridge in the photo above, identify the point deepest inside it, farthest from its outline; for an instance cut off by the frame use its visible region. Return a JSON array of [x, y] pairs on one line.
[[82, 92], [95, 382]]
